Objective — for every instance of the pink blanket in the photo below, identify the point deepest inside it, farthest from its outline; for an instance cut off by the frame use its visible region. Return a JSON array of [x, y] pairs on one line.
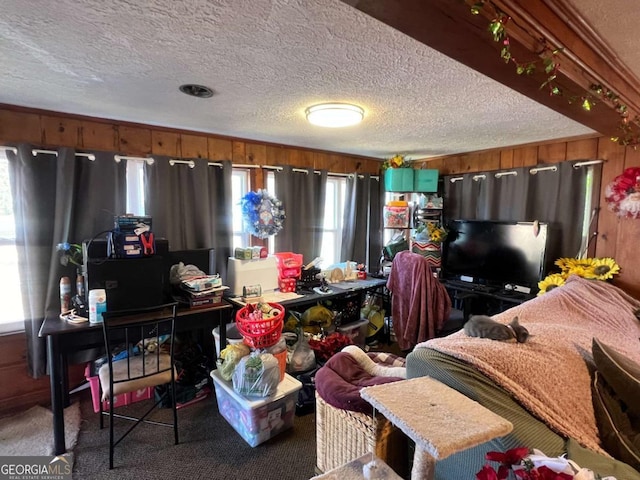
[[549, 374], [419, 302]]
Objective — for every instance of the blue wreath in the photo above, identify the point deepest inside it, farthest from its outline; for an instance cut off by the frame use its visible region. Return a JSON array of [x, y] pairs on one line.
[[262, 214]]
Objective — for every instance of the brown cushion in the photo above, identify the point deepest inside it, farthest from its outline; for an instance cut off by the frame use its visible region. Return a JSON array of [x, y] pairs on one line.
[[621, 373]]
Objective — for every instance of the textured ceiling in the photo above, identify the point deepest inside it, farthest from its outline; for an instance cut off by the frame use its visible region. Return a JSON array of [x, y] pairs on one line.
[[267, 60]]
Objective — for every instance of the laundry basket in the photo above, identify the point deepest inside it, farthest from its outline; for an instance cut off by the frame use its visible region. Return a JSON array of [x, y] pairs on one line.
[[260, 333]]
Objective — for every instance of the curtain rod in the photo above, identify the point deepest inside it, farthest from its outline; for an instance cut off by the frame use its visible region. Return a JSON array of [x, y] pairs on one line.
[[119, 158], [14, 150], [36, 151], [535, 170], [587, 163]]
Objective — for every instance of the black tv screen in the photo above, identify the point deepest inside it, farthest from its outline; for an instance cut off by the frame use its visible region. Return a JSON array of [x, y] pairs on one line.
[[497, 254]]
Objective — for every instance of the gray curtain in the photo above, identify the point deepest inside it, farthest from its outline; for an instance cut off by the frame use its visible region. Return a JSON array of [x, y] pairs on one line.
[[302, 195], [191, 207], [556, 197], [362, 232], [57, 199]]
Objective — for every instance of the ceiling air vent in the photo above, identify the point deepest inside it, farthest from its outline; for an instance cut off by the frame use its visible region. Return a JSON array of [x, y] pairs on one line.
[[199, 91]]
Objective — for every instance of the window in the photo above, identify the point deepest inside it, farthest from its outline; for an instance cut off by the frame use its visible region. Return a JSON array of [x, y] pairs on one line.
[[334, 206], [12, 318], [239, 188], [135, 187], [271, 188]]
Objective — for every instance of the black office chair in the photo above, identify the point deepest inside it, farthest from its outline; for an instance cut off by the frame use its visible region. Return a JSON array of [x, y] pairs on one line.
[[136, 342]]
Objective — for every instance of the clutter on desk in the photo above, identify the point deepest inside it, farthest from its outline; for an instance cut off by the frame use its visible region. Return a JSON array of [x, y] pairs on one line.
[[72, 317], [131, 237], [97, 305], [250, 253], [195, 288], [289, 264]]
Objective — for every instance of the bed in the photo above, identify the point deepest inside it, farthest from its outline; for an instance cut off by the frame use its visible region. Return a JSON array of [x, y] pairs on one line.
[[544, 386]]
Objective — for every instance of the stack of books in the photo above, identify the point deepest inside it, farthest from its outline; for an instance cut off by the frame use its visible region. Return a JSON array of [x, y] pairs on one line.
[[205, 291]]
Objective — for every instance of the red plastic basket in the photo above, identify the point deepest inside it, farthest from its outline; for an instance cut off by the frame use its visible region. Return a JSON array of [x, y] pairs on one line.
[[260, 333]]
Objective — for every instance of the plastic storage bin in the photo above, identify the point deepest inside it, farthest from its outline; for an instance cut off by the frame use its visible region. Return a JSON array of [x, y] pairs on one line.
[[425, 180], [396, 216], [289, 264], [356, 331], [398, 179], [120, 400], [257, 420]]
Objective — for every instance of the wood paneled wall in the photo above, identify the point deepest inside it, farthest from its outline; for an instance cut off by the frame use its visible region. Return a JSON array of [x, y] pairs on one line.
[[616, 237], [49, 129]]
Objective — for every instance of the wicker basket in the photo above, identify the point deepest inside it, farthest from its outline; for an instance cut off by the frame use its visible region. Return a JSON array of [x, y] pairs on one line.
[[342, 436]]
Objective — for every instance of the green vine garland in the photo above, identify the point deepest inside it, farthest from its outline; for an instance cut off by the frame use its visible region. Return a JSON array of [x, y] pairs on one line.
[[550, 62]]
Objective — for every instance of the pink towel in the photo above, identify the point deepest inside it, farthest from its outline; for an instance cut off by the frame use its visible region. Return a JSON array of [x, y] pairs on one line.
[[419, 303]]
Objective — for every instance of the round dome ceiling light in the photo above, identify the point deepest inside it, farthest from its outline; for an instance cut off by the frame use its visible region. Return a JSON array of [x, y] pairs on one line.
[[334, 115], [194, 90]]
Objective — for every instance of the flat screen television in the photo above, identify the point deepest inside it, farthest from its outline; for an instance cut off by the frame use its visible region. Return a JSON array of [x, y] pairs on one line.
[[498, 254]]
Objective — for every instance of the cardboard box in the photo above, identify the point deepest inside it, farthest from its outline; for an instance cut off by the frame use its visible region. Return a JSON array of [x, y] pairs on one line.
[[257, 419]]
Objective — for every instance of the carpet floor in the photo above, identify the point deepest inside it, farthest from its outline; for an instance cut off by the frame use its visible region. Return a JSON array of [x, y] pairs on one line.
[[30, 432], [209, 448]]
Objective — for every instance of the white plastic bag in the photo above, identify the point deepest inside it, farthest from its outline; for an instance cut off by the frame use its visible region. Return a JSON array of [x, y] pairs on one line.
[[256, 375]]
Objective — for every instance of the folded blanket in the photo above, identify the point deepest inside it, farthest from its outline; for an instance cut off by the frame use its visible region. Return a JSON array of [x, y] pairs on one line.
[[549, 374], [339, 381]]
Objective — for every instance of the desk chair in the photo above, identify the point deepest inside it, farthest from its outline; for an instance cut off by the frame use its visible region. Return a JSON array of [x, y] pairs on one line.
[[136, 367]]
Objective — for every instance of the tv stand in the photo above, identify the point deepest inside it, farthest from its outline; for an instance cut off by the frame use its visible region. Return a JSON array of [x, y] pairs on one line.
[[476, 299]]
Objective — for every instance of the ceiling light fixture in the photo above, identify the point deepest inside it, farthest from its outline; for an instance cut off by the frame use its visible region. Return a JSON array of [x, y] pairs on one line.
[[334, 115], [194, 90]]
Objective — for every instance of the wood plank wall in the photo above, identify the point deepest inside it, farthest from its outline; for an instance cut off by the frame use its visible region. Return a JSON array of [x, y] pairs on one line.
[[46, 129], [616, 237]]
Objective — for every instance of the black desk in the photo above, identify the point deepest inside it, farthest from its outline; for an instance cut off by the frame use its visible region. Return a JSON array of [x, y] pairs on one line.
[[339, 290], [63, 338]]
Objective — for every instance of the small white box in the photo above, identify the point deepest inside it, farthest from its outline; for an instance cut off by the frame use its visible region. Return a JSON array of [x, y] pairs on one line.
[[257, 420]]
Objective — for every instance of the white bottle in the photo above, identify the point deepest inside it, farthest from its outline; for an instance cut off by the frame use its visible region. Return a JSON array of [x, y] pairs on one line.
[[97, 305]]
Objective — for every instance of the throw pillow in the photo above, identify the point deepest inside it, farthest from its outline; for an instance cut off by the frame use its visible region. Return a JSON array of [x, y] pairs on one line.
[[621, 373], [619, 429]]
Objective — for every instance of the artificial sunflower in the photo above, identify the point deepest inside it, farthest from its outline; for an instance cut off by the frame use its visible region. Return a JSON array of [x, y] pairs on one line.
[[397, 161], [605, 268], [590, 268], [580, 270], [550, 282]]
